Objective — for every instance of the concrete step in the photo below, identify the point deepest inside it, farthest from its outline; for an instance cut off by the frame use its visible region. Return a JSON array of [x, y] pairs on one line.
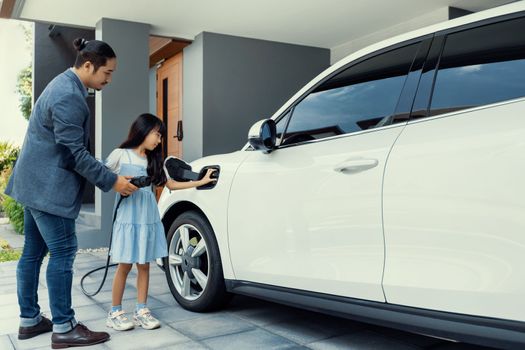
[[88, 217]]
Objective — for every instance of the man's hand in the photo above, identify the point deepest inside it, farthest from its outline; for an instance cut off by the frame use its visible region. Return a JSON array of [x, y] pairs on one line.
[[123, 186]]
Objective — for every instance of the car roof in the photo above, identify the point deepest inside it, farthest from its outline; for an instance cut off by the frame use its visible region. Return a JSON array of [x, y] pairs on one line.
[[457, 22]]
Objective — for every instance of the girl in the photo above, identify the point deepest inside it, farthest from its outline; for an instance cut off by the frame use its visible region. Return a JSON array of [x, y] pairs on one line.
[[138, 234]]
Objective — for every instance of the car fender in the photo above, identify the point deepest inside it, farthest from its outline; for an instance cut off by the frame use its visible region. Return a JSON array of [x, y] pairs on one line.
[[213, 203]]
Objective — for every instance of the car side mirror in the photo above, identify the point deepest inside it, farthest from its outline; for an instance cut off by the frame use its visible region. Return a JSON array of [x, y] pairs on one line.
[[262, 135]]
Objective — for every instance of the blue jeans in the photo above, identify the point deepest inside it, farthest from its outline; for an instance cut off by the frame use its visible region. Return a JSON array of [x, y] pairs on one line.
[[45, 232]]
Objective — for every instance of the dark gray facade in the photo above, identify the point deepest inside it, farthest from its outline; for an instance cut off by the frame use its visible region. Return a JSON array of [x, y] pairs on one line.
[[54, 53], [119, 104], [231, 82]]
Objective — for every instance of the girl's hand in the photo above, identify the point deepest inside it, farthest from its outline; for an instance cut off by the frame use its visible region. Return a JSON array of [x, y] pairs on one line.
[[207, 178], [176, 185]]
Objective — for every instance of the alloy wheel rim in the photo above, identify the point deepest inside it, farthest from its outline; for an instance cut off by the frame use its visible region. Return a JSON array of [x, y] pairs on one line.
[[189, 262]]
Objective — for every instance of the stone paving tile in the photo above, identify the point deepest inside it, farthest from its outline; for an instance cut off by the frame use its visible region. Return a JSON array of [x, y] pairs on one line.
[[254, 339], [159, 288], [166, 298], [155, 269], [92, 285], [8, 266], [212, 326], [99, 325], [8, 298], [92, 347], [88, 312], [91, 279], [8, 312], [408, 338], [105, 296], [304, 331], [141, 339], [172, 314], [95, 277], [43, 340], [86, 257], [8, 288], [9, 279], [362, 340], [83, 260], [191, 345], [245, 323], [445, 345], [5, 343], [9, 325], [263, 316], [81, 300], [82, 267]]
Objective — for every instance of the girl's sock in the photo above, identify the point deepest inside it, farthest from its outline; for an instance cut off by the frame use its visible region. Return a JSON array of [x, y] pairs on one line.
[[116, 308], [139, 306]]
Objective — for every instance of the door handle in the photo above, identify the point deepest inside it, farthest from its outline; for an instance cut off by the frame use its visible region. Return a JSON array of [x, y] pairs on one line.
[[356, 165], [180, 133]]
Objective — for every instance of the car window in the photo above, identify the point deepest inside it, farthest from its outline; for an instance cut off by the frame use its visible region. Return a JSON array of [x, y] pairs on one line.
[[356, 99], [280, 126], [481, 66]]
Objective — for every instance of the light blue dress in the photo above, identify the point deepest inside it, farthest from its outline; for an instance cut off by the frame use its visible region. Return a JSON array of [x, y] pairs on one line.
[[138, 233]]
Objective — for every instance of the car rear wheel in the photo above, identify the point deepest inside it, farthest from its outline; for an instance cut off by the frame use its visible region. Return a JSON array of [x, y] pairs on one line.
[[193, 266]]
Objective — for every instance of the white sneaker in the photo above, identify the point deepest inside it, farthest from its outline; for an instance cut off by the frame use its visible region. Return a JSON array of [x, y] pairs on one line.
[[118, 321], [144, 319]]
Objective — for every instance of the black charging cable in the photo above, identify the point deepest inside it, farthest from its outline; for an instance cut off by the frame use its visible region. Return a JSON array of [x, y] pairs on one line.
[[176, 169], [140, 181]]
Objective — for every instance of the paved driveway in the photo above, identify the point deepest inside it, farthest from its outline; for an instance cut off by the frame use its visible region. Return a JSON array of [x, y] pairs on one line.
[[246, 324]]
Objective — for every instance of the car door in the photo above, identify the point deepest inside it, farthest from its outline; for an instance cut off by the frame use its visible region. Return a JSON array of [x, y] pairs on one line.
[[454, 191], [308, 215]]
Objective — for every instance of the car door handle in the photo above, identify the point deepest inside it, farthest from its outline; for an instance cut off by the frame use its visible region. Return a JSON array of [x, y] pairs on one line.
[[356, 165]]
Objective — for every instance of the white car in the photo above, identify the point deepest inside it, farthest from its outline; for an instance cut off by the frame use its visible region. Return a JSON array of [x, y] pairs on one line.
[[390, 189]]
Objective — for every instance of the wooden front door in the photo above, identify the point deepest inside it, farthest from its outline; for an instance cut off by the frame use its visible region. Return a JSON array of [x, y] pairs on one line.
[[169, 106], [169, 103]]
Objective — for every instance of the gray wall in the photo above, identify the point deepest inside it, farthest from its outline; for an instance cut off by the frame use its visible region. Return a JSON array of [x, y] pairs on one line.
[[246, 80], [119, 104], [192, 70], [231, 82], [153, 90], [54, 55]]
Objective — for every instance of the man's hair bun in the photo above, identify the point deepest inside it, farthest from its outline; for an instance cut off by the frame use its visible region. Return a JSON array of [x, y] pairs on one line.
[[80, 43]]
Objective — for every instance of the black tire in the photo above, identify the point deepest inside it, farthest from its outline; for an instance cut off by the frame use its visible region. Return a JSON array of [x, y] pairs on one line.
[[214, 295]]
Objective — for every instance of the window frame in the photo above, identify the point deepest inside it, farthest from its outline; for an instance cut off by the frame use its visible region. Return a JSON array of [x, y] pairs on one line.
[[291, 108], [441, 39]]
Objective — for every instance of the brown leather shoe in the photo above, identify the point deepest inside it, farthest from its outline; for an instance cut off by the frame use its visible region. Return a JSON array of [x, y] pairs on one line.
[[44, 326], [78, 336]]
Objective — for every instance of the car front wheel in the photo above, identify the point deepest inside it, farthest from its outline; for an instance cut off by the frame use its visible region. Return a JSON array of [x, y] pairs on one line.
[[193, 266]]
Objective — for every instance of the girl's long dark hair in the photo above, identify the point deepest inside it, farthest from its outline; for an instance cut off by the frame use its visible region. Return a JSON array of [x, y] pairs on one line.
[[138, 132]]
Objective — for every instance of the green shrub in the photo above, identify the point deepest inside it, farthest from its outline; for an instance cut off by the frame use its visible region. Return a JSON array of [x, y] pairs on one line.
[[9, 254], [15, 213], [12, 209], [8, 155], [4, 176], [24, 87]]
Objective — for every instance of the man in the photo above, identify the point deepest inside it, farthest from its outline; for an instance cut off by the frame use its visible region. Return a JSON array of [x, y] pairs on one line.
[[48, 179]]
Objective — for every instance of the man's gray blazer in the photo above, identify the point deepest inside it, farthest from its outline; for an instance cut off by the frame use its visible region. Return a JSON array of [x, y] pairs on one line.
[[54, 162]]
